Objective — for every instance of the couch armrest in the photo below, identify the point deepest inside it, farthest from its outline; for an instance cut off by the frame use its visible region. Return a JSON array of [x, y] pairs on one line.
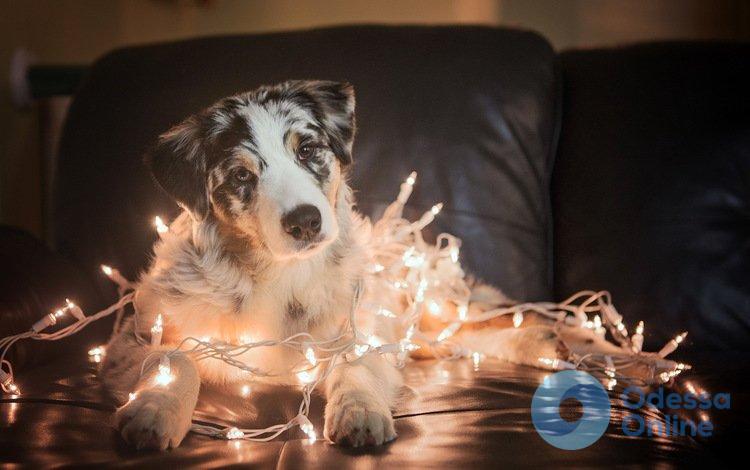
[[35, 281]]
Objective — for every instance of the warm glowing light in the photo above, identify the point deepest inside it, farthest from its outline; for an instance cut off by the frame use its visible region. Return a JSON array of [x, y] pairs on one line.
[[161, 227], [361, 349], [517, 319], [234, 433], [307, 428], [306, 377], [611, 384], [681, 337], [107, 270], [156, 331], [96, 354], [310, 356], [412, 178], [131, 396], [245, 390], [384, 312], [437, 208], [246, 339], [410, 332], [463, 312], [639, 328], [412, 259], [476, 358], [454, 254], [164, 377], [13, 389], [434, 307], [419, 297], [448, 332]]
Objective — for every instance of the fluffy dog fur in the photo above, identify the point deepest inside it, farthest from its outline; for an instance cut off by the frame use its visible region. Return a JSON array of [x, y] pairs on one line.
[[233, 268]]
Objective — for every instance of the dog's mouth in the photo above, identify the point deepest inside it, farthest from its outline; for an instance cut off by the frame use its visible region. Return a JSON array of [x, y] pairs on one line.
[[307, 246]]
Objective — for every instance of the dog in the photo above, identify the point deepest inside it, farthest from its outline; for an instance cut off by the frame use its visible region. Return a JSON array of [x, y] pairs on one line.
[[268, 245]]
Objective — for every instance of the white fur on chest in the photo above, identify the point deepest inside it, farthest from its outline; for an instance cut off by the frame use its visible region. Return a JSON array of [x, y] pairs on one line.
[[204, 295]]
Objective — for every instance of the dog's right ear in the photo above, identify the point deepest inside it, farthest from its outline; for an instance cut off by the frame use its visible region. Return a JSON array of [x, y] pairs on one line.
[[178, 164]]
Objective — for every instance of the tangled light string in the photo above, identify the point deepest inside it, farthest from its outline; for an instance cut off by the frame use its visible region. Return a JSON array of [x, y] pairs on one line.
[[417, 284]]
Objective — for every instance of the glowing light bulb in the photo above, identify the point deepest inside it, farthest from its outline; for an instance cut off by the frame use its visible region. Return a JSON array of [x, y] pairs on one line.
[[234, 433], [672, 344], [107, 270], [411, 259], [419, 297], [637, 340], [161, 227], [306, 426], [410, 332], [384, 312], [556, 364], [434, 308], [374, 341], [305, 377], [246, 339], [454, 254], [310, 356], [96, 354], [164, 377], [6, 382], [517, 319], [476, 358], [463, 312], [156, 331], [448, 332], [361, 349]]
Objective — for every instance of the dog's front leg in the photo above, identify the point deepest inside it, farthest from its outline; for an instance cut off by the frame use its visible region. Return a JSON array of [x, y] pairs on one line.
[[158, 416], [360, 396]]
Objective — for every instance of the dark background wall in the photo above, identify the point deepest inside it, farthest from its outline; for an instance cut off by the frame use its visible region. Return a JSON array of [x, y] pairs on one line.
[[78, 31]]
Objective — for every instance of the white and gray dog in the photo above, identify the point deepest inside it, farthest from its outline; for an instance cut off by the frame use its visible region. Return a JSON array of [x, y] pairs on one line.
[[268, 245]]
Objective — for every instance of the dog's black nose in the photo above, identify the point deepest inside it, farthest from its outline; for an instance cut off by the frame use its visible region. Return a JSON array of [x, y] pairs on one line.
[[303, 222]]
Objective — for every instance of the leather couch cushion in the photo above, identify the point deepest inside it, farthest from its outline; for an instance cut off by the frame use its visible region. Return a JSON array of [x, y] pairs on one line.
[[471, 109], [450, 416], [651, 187]]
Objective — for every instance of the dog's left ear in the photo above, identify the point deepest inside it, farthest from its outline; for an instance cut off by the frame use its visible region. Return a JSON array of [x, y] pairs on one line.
[[178, 164], [337, 102]]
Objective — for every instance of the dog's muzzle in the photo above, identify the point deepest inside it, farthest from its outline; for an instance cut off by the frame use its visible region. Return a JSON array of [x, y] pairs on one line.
[[303, 222]]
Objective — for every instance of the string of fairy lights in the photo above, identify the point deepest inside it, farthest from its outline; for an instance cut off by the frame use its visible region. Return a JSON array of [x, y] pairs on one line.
[[410, 282]]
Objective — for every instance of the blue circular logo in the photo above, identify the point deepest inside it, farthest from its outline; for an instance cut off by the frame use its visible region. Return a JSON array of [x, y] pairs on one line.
[[545, 409]]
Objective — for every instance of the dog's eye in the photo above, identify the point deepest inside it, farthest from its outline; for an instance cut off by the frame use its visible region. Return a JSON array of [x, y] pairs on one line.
[[306, 152], [242, 174]]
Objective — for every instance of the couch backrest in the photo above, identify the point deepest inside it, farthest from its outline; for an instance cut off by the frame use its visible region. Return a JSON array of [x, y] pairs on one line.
[[651, 187], [472, 109]]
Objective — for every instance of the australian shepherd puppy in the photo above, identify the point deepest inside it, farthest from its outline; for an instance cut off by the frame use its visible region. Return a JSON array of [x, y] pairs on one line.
[[268, 246]]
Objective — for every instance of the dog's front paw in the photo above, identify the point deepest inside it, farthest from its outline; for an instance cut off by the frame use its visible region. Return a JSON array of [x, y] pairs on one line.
[[357, 421], [154, 419]]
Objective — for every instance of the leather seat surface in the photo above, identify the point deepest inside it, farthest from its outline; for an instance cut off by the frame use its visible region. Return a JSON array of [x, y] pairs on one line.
[[449, 416]]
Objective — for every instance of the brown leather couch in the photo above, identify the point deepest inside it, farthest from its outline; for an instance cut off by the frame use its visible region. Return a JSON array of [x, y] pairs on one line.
[[623, 169]]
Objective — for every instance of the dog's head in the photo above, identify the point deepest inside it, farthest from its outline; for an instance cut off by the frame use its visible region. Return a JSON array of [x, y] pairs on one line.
[[268, 163]]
